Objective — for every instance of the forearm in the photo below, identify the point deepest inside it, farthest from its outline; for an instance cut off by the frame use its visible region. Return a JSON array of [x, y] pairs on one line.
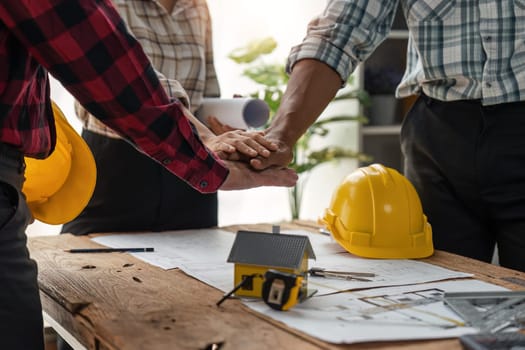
[[311, 87], [105, 68]]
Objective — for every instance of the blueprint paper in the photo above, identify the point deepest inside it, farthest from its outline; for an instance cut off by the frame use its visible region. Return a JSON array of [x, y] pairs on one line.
[[355, 317], [346, 317], [203, 253]]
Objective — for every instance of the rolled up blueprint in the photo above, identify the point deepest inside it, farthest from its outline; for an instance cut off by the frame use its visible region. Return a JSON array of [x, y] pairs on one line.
[[239, 113]]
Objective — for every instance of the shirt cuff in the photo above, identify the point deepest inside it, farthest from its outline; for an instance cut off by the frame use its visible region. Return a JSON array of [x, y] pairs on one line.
[[331, 55]]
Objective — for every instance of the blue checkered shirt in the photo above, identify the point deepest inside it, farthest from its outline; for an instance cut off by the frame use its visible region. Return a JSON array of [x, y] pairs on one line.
[[457, 49]]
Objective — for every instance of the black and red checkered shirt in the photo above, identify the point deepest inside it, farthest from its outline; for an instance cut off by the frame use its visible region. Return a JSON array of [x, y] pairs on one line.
[[85, 45]]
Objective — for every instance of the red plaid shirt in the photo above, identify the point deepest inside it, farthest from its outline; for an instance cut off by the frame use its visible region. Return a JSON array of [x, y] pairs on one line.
[[85, 45]]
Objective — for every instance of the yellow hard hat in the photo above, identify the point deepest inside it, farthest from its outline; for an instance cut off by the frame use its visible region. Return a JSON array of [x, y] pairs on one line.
[[59, 187], [376, 213]]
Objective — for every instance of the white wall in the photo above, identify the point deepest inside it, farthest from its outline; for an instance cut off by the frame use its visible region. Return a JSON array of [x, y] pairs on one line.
[[235, 22]]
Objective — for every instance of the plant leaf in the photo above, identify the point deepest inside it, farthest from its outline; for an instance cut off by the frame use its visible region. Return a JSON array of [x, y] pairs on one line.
[[251, 51], [267, 74]]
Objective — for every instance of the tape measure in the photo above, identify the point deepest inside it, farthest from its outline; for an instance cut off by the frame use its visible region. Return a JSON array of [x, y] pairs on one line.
[[281, 290]]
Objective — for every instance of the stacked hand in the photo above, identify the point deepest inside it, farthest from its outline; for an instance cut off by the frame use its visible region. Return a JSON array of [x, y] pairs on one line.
[[281, 156], [241, 145], [253, 160]]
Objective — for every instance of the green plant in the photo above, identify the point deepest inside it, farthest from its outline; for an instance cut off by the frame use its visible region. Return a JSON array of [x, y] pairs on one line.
[[271, 80]]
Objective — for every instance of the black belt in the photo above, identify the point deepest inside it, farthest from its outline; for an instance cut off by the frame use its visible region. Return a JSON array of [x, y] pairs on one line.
[[431, 100], [477, 102]]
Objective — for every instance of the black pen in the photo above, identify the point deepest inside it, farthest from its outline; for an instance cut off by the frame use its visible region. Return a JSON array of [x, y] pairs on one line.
[[110, 250]]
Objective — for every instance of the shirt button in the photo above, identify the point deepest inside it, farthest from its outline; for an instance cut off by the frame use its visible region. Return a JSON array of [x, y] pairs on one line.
[[487, 84], [166, 161], [488, 38], [203, 184]]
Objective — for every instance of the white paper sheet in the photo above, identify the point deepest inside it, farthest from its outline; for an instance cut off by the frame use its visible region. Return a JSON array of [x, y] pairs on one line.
[[203, 254], [348, 317], [175, 248], [354, 317], [200, 253]]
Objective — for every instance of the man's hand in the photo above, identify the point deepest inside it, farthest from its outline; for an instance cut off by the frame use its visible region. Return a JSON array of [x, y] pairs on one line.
[[243, 177], [281, 157], [312, 85]]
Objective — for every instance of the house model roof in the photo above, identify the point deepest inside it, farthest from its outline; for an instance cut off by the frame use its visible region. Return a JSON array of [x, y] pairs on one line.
[[267, 249]]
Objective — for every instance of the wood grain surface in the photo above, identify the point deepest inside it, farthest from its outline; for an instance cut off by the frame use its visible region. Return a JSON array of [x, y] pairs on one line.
[[115, 301]]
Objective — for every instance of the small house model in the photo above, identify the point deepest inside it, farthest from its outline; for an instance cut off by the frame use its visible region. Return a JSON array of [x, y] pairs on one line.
[[254, 253]]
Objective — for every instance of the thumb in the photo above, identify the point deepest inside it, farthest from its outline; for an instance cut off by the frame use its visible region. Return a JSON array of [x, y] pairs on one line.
[[260, 163]]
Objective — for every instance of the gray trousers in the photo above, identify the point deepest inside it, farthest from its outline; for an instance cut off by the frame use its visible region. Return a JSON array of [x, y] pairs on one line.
[[467, 163], [21, 324]]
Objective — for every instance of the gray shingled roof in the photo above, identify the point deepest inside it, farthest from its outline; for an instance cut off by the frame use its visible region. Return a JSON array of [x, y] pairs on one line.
[[267, 249]]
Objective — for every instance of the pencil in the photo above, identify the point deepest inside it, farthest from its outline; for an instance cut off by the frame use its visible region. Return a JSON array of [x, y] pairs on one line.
[[110, 250]]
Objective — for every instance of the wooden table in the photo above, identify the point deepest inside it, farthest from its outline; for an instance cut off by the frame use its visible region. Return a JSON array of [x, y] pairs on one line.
[[116, 301]]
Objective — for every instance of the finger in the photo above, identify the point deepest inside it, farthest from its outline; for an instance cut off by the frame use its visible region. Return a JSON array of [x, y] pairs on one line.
[[224, 147], [257, 147], [222, 155], [217, 127], [261, 140], [214, 125], [234, 156], [248, 141], [243, 146], [276, 159], [260, 163], [226, 128]]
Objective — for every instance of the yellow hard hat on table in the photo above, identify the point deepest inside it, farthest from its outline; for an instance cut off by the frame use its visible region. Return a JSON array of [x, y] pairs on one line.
[[376, 213], [59, 187]]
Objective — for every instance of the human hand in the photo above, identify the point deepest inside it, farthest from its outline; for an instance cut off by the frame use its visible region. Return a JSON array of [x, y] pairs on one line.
[[280, 157], [241, 177], [217, 127], [240, 145]]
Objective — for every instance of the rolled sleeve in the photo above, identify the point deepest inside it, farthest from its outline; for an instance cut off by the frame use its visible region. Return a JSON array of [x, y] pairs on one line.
[[345, 34], [322, 50]]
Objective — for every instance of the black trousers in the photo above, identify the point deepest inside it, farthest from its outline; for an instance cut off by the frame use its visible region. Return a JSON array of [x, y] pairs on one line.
[[21, 324], [135, 193], [467, 163]]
